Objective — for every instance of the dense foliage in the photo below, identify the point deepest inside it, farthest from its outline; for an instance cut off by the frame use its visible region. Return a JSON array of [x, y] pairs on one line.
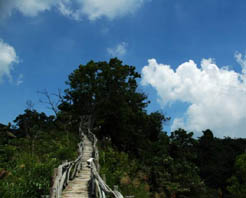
[[108, 92], [29, 154], [135, 153]]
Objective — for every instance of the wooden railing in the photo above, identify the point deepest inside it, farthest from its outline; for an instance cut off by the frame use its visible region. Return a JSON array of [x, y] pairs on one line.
[[65, 172], [95, 153], [68, 170], [99, 188]]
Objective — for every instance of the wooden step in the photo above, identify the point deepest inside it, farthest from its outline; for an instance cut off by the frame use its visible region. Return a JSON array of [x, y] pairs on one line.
[[78, 188]]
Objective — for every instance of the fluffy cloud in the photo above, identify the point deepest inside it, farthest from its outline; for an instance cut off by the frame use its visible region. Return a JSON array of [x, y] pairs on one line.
[[118, 50], [97, 8], [7, 58], [26, 7], [76, 9], [216, 95]]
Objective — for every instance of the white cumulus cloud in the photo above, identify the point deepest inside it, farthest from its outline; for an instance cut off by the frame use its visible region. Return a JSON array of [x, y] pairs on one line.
[[98, 8], [75, 9], [119, 50], [7, 58], [26, 7], [216, 95], [95, 9]]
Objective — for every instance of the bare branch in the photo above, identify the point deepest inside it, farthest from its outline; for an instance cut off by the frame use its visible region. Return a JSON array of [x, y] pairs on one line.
[[29, 105], [51, 103]]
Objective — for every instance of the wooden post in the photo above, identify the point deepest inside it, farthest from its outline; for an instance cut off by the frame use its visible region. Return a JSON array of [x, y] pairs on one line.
[[59, 175], [104, 178], [116, 188], [93, 187], [53, 189], [103, 194]]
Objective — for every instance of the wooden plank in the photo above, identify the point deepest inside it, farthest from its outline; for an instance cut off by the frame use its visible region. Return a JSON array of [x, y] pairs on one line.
[[76, 183]]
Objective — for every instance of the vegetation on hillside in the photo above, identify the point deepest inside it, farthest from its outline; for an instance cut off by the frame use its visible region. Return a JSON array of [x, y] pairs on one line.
[[135, 153], [29, 154]]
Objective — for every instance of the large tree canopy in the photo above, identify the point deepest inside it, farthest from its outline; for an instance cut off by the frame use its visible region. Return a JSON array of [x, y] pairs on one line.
[[96, 83], [108, 92]]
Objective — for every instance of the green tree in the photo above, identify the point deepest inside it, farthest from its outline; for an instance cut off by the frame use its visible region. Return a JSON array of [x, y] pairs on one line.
[[183, 175], [31, 124], [99, 83], [182, 145], [216, 158], [108, 92], [237, 182], [30, 119]]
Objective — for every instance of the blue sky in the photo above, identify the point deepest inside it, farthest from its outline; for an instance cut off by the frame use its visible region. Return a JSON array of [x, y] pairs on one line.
[[41, 42]]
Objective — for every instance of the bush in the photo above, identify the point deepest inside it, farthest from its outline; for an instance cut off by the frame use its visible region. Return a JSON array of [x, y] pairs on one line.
[[122, 171], [30, 163]]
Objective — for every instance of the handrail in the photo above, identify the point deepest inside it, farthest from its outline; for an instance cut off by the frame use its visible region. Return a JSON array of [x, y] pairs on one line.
[[68, 170], [65, 172], [99, 187], [95, 153]]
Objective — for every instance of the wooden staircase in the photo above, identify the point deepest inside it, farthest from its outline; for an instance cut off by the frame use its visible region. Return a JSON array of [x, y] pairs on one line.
[[78, 188], [75, 179]]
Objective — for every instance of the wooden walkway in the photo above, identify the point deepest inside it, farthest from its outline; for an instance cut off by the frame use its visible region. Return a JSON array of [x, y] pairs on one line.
[[78, 188]]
